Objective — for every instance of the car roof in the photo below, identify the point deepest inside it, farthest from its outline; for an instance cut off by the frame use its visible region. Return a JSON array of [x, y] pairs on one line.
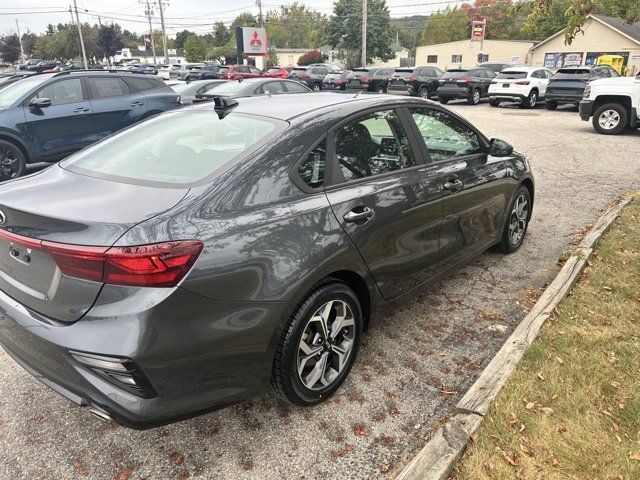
[[287, 107], [522, 69]]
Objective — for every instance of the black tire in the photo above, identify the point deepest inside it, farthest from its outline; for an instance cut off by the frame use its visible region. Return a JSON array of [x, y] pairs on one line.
[[509, 244], [610, 119], [12, 161], [474, 97], [444, 100], [494, 102], [380, 89], [532, 100], [286, 381], [316, 87], [424, 93], [551, 104]]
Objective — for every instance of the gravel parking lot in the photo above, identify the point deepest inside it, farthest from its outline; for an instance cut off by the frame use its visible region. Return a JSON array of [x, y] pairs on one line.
[[412, 368]]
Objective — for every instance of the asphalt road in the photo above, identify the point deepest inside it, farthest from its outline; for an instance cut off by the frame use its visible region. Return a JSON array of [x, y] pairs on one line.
[[411, 371]]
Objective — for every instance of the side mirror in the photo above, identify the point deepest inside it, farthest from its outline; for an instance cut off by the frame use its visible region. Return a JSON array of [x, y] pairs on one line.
[[40, 102], [499, 148]]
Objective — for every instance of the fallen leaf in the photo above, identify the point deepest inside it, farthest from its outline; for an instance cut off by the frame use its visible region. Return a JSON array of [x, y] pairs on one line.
[[635, 456], [474, 436], [384, 468], [559, 360], [530, 406], [555, 462]]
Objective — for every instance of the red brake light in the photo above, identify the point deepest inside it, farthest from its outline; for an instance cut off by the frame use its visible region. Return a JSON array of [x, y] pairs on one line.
[[585, 80], [523, 82], [305, 75], [154, 265], [493, 82], [463, 80], [411, 79], [366, 79]]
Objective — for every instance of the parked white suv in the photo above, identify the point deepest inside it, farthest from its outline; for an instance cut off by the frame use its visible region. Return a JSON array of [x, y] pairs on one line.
[[526, 85], [614, 104]]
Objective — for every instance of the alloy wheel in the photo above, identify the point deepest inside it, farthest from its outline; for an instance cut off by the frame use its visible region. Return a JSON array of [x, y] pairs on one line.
[[518, 220], [476, 97], [424, 93], [609, 119], [326, 345], [533, 99], [9, 163]]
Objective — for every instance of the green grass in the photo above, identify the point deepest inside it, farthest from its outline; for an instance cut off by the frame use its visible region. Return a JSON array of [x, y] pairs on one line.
[[571, 410]]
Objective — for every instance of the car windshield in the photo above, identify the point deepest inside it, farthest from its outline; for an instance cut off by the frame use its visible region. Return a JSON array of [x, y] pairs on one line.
[[402, 73], [512, 75], [456, 74], [227, 87], [178, 148], [12, 93], [273, 70]]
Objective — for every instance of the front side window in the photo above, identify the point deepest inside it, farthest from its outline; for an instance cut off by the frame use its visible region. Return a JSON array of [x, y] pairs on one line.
[[311, 170], [176, 149], [445, 136], [293, 87], [63, 92], [371, 145]]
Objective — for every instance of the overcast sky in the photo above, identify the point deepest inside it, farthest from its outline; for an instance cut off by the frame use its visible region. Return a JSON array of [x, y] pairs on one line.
[[195, 15]]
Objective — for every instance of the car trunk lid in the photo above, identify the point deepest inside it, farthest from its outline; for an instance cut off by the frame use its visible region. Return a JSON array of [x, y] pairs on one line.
[[57, 207]]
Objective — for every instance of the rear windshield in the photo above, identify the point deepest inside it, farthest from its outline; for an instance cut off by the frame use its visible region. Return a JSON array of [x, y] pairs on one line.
[[335, 75], [226, 87], [572, 72], [178, 148], [273, 70], [224, 71], [403, 73], [512, 75], [456, 74]]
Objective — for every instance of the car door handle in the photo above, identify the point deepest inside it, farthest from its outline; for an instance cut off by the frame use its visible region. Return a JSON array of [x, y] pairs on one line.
[[80, 109], [453, 185], [353, 216], [137, 104]]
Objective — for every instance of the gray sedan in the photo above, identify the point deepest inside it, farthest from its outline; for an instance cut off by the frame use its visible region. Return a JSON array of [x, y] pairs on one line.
[[188, 91], [251, 87]]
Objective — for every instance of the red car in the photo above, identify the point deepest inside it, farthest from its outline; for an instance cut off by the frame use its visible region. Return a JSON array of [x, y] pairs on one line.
[[278, 72], [236, 72]]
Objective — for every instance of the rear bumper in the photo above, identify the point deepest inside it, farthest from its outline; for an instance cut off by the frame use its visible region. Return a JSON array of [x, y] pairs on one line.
[[563, 97], [453, 92], [586, 109], [508, 97], [197, 354]]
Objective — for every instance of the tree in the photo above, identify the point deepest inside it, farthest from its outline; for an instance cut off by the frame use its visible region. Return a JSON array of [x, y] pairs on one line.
[[295, 26], [446, 26], [221, 34], [225, 54], [272, 59], [312, 56], [194, 48], [181, 37], [10, 48], [109, 40], [29, 40], [345, 27]]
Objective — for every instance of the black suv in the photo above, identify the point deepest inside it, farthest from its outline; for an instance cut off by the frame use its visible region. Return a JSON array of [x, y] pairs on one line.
[[568, 84], [469, 83], [205, 72], [421, 81], [370, 79], [314, 76], [45, 117]]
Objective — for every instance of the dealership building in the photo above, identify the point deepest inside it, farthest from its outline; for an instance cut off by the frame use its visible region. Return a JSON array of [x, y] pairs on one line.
[[602, 36]]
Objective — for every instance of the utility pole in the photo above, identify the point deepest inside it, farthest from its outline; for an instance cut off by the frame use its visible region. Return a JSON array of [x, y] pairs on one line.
[[84, 53], [73, 24], [260, 17], [363, 58], [20, 39], [164, 33], [149, 12]]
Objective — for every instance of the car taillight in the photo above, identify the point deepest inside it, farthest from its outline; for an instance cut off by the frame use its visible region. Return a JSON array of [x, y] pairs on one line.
[[463, 80], [523, 82], [179, 99], [154, 265], [585, 80], [411, 79], [305, 75], [493, 82], [366, 79]]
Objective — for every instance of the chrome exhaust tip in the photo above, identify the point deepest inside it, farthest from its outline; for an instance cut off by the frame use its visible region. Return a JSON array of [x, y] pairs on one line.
[[100, 414]]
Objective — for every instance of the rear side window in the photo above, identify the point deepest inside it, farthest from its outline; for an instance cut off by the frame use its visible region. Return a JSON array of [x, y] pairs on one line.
[[139, 84], [293, 87], [445, 136], [371, 145], [311, 170], [178, 148], [107, 87]]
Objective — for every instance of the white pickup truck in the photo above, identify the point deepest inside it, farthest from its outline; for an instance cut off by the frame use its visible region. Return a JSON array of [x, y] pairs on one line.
[[614, 104]]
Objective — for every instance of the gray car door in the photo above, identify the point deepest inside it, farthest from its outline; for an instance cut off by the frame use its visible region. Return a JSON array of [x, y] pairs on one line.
[[386, 200]]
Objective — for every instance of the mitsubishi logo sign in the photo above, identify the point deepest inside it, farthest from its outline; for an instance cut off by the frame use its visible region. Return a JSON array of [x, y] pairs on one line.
[[254, 41]]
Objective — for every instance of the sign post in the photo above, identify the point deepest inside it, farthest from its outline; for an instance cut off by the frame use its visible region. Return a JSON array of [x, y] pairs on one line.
[[478, 30]]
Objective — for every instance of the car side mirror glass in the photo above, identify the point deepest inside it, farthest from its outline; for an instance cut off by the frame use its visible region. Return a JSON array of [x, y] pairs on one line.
[[40, 102], [499, 148]]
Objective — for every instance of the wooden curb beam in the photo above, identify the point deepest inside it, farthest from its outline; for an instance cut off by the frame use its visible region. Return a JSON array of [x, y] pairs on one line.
[[439, 455]]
